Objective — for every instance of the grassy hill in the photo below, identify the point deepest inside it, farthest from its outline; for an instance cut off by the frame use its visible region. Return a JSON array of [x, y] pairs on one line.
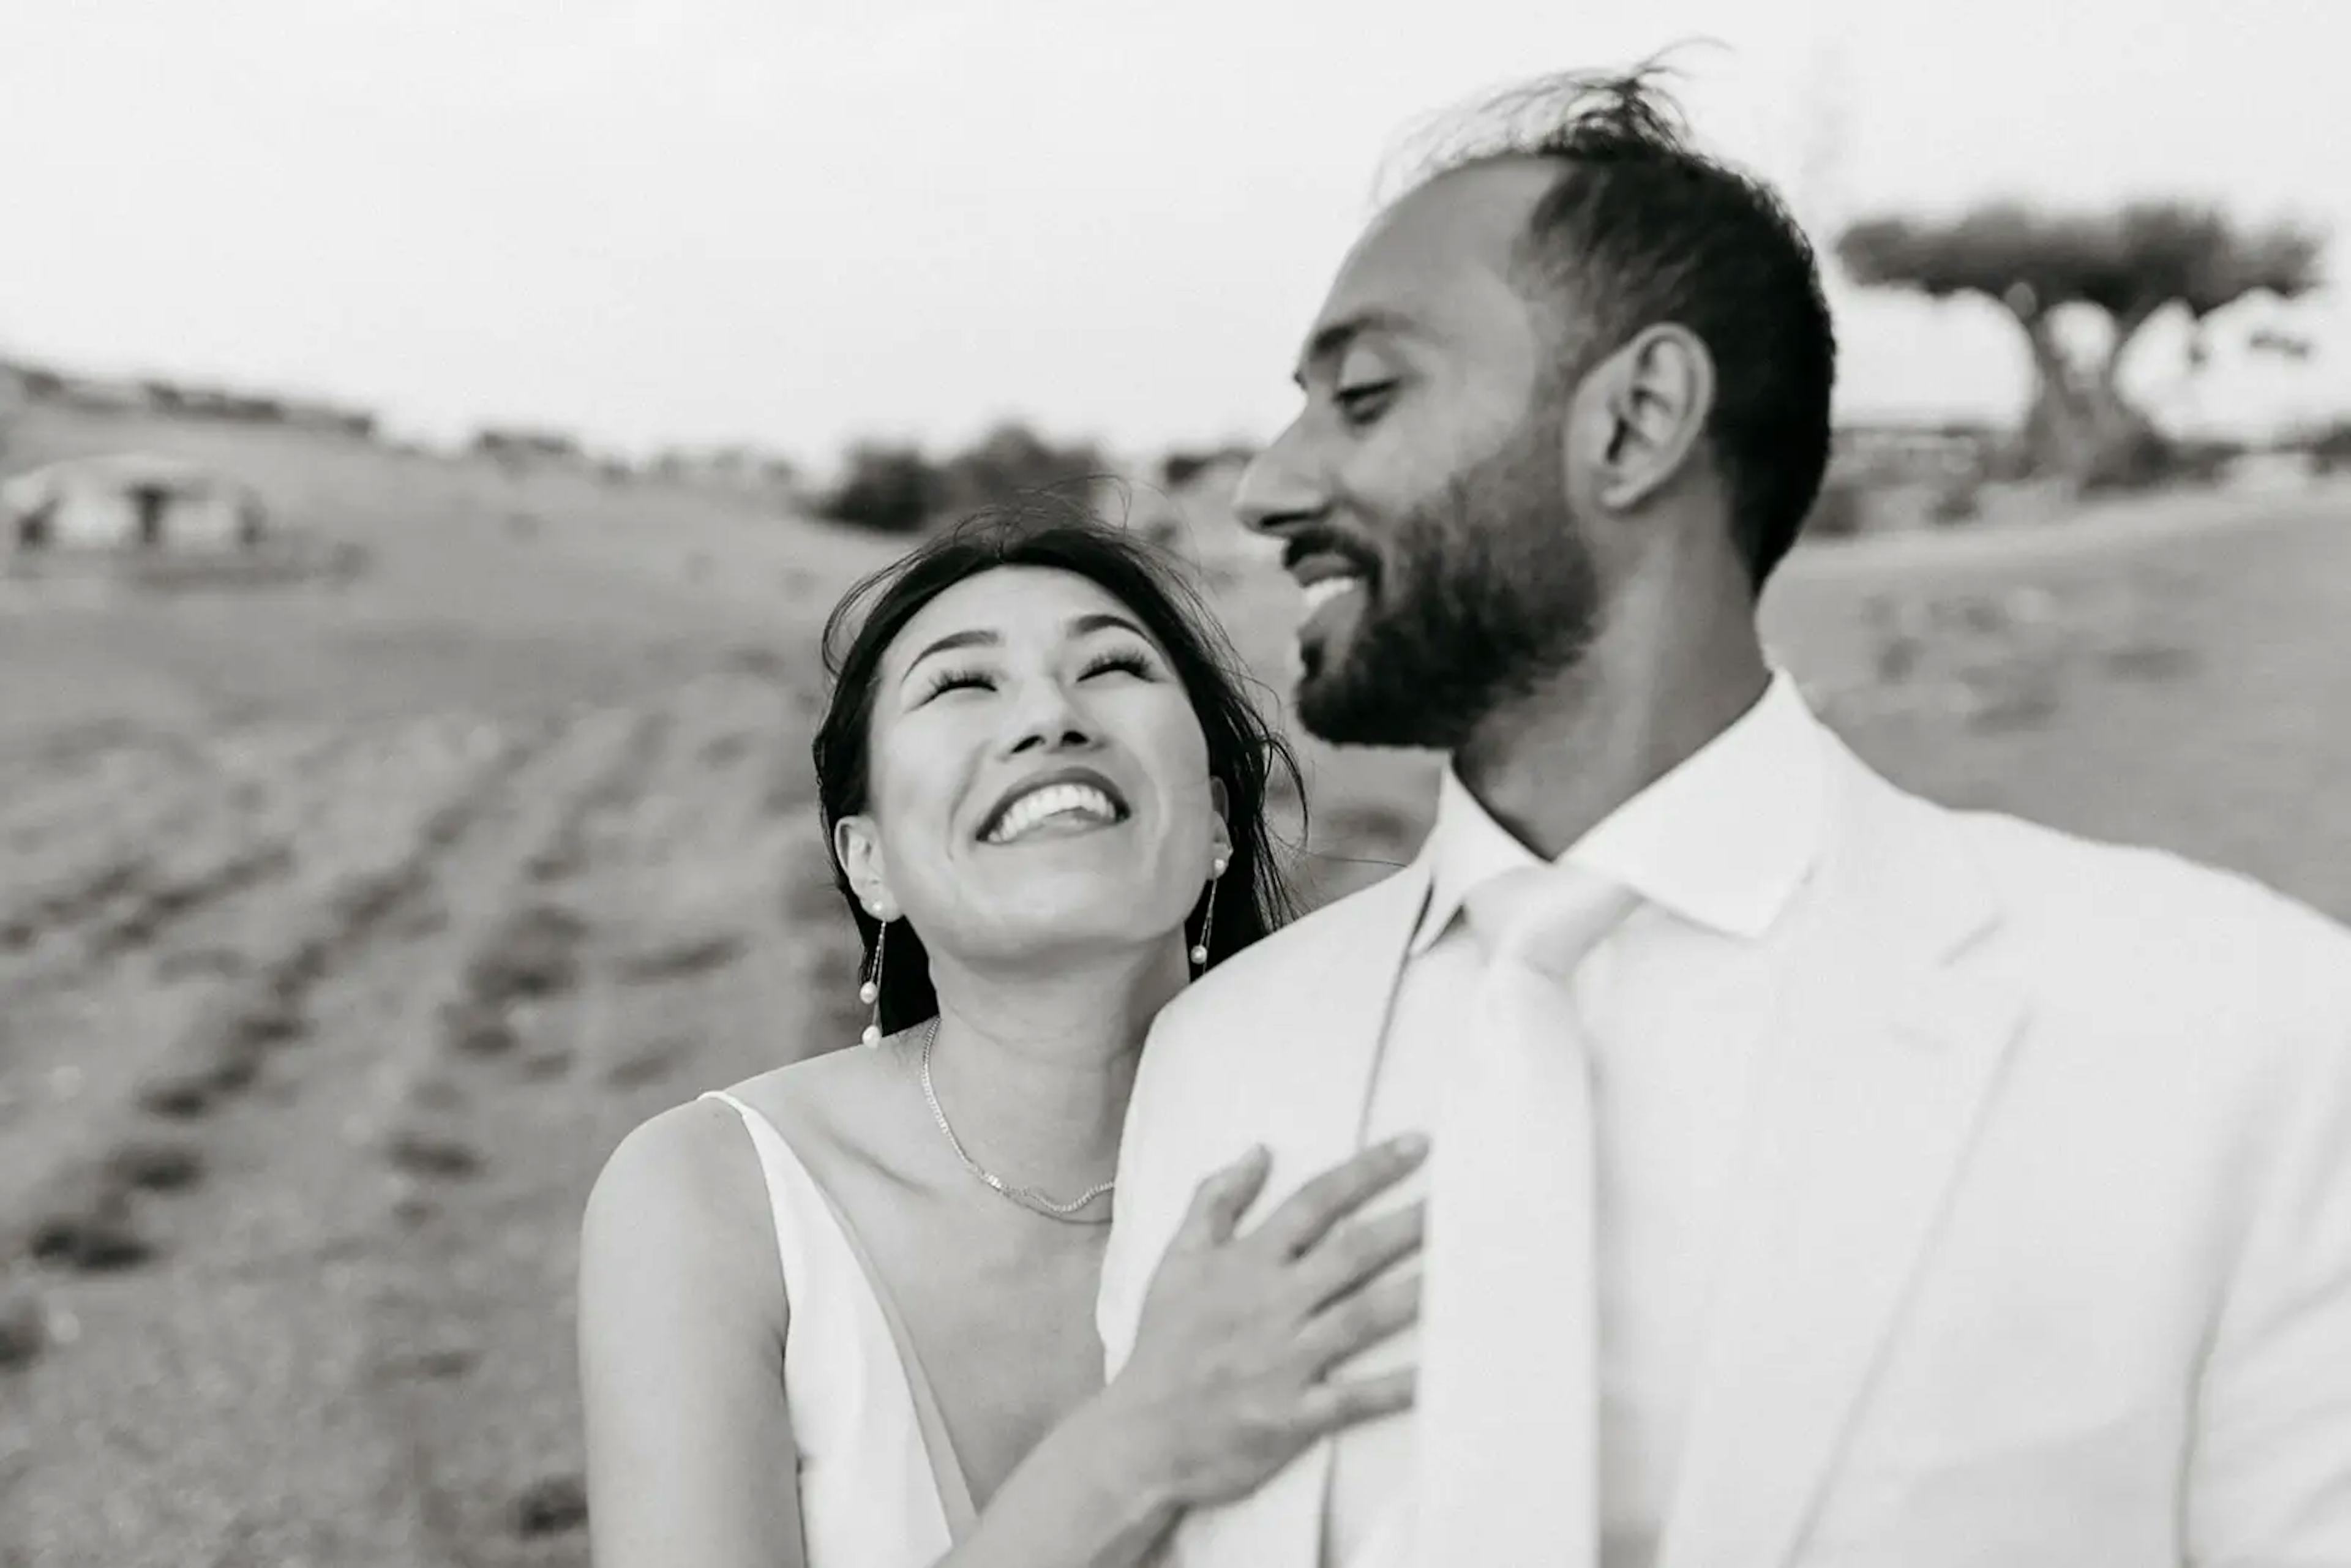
[[343, 930]]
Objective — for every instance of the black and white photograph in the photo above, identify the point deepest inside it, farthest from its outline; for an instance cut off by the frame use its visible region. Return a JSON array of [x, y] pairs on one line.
[[1018, 784]]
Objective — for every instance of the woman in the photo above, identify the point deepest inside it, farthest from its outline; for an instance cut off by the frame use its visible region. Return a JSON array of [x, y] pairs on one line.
[[841, 1315]]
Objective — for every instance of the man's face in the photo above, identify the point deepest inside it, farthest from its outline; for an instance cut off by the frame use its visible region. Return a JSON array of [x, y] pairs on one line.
[[1421, 494]]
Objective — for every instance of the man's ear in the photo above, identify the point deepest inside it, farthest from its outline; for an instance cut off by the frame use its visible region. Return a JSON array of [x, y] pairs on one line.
[[1221, 803], [1647, 408], [859, 849]]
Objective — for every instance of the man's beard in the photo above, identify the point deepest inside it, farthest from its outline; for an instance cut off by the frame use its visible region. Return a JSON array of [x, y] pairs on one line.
[[1484, 592]]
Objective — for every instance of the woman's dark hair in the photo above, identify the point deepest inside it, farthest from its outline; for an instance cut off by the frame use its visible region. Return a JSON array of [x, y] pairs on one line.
[[1244, 750]]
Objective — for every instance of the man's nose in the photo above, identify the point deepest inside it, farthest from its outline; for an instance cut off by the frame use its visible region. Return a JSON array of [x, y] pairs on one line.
[[1279, 489]]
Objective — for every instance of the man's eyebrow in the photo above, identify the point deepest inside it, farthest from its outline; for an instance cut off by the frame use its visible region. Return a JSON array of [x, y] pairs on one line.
[[1331, 340]]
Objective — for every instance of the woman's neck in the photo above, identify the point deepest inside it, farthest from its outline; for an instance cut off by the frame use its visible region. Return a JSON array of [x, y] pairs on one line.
[[1034, 1069]]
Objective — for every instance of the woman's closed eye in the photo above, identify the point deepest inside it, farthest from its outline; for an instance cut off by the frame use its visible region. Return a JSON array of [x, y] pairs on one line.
[[1131, 661], [949, 680], [1127, 660]]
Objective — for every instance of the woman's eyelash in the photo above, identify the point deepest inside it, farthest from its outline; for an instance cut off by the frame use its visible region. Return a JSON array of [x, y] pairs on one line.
[[1129, 660], [949, 680], [1133, 663]]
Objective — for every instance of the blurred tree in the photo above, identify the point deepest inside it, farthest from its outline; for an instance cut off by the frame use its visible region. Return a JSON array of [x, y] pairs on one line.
[[2131, 264], [1012, 461], [1183, 465], [890, 488]]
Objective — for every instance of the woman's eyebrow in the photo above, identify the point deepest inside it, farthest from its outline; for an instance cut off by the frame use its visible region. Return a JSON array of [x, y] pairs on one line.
[[948, 644], [1104, 621]]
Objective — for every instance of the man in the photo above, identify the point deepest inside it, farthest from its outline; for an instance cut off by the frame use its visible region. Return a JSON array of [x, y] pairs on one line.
[[1864, 1182]]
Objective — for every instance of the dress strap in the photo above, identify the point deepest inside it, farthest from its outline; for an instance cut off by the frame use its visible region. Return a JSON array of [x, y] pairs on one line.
[[784, 1172]]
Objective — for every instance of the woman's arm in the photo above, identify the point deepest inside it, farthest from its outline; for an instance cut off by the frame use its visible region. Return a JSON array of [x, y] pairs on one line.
[[689, 1451], [681, 1327], [690, 1448]]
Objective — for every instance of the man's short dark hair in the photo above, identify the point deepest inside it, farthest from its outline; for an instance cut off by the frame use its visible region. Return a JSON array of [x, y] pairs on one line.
[[1641, 228]]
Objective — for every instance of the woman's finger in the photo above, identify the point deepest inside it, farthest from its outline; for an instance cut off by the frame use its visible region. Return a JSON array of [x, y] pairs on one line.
[[1220, 1200], [1360, 1251], [1310, 1211], [1353, 1324], [1328, 1406]]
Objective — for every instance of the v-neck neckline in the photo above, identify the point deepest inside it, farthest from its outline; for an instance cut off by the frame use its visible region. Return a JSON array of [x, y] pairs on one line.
[[938, 1444]]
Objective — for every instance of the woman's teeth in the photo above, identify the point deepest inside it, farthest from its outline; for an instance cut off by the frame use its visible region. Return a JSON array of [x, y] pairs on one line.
[[1054, 800]]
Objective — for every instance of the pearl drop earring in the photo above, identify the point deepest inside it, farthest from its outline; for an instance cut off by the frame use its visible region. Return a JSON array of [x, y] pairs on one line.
[[1208, 916], [870, 993]]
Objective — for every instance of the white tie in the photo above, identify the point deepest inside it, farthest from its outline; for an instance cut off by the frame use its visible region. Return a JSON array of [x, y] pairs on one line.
[[1507, 1390]]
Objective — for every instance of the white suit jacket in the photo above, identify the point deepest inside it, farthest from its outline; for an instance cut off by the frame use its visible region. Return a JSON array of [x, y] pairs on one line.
[[2041, 1251]]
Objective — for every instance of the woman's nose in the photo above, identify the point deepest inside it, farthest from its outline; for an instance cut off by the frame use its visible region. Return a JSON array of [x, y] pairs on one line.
[[1049, 721]]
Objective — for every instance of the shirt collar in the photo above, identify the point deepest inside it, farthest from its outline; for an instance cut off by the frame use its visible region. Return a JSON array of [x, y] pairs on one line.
[[1723, 839]]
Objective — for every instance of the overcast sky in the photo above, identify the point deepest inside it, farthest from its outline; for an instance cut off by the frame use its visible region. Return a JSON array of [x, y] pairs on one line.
[[792, 223]]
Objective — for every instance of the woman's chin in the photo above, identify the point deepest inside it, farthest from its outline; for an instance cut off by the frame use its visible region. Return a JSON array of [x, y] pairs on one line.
[[1079, 922]]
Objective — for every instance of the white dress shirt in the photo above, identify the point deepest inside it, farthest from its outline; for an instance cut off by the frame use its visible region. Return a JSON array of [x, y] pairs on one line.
[[1675, 1002]]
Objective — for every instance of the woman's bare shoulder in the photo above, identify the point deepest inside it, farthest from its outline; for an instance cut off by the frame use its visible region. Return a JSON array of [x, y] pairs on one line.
[[682, 1193], [842, 1107]]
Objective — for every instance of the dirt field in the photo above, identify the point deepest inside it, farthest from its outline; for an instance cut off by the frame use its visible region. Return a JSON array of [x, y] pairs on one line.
[[343, 930]]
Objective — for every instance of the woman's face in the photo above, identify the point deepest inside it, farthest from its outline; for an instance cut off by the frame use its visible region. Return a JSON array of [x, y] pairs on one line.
[[1039, 783]]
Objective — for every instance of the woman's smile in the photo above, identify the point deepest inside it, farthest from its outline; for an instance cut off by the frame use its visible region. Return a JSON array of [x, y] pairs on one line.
[[1061, 803]]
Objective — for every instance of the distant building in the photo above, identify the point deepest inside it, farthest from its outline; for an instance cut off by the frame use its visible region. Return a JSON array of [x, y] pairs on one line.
[[744, 470], [310, 415], [1891, 451], [513, 444], [131, 501]]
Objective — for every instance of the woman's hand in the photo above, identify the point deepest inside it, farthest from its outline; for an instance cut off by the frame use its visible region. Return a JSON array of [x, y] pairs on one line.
[[1229, 1376]]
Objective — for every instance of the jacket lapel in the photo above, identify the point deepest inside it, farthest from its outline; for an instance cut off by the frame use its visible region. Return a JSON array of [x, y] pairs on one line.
[[1866, 1103], [1321, 1036]]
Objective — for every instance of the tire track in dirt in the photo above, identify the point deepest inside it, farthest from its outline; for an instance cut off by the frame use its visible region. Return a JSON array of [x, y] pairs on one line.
[[569, 848], [214, 1406], [75, 1209], [111, 871], [685, 980]]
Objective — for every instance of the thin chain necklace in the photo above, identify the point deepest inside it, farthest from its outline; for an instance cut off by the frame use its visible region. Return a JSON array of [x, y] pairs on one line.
[[1026, 1196]]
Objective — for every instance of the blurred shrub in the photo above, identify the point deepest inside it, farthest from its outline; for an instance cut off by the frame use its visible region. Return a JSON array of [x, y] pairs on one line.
[[2330, 448], [2204, 461], [1012, 461], [1839, 512], [1956, 501], [2146, 458], [1181, 466], [893, 489]]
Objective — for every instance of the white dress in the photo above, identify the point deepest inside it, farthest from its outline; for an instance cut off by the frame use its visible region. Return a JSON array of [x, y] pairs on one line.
[[879, 1483]]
